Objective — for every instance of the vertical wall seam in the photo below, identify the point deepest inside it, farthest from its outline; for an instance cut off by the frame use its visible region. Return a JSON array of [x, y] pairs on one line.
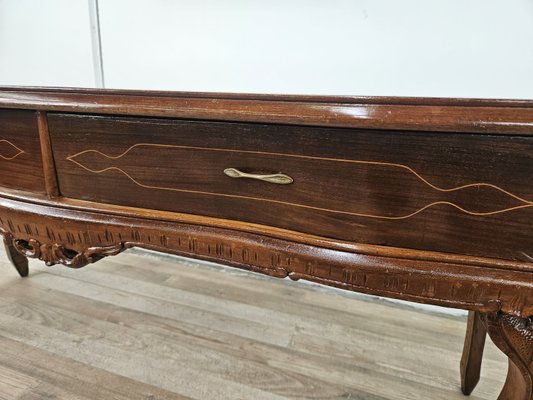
[[96, 40]]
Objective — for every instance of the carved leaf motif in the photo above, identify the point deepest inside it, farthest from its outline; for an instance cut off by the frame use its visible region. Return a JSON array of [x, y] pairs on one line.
[[56, 253], [514, 336]]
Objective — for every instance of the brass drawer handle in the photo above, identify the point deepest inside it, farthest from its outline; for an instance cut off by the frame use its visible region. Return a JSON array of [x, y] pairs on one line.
[[280, 179]]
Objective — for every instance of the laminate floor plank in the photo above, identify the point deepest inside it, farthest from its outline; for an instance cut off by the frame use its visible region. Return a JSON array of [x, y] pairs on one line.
[[49, 375], [151, 327], [292, 313], [191, 353], [233, 288], [231, 285], [180, 349], [196, 357], [359, 341], [235, 284]]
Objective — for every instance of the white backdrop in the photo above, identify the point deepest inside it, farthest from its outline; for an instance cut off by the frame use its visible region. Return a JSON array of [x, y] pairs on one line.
[[45, 42], [449, 48]]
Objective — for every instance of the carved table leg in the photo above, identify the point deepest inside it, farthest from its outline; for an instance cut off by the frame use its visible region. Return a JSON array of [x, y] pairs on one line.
[[514, 336], [476, 332], [19, 261]]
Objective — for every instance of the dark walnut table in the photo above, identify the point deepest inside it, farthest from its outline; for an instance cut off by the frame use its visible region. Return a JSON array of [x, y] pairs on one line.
[[427, 200]]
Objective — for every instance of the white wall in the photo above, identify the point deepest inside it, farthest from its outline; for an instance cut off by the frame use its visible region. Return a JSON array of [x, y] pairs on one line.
[[45, 42], [463, 48], [449, 48]]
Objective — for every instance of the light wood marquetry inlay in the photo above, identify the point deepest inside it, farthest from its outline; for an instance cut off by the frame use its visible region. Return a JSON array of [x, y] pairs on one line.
[[523, 203], [8, 150]]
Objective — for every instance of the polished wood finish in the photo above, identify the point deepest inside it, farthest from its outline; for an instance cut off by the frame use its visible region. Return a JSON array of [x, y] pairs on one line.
[[415, 190], [18, 260], [476, 333], [90, 236], [49, 169], [514, 336], [20, 153], [412, 199], [419, 114]]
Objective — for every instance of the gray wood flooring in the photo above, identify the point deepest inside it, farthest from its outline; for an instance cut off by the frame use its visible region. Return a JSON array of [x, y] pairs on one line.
[[140, 326]]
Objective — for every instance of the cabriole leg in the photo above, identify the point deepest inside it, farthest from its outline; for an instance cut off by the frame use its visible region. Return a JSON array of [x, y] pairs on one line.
[[19, 261], [514, 336]]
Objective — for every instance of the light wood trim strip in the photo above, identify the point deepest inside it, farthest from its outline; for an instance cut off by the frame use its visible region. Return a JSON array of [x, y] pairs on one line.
[[50, 173]]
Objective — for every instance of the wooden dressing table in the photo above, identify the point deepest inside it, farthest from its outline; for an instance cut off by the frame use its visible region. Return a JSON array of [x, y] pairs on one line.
[[427, 200]]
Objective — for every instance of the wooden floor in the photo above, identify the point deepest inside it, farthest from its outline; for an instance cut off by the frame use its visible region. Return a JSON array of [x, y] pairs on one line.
[[139, 326]]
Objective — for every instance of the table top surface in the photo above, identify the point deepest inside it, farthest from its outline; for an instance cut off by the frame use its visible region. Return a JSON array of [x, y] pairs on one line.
[[486, 116]]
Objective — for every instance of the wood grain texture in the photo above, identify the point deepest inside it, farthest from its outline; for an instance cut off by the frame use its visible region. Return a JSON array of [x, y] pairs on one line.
[[19, 261], [89, 236], [476, 334], [313, 240], [447, 193], [145, 327], [421, 114], [49, 168], [514, 336], [20, 152]]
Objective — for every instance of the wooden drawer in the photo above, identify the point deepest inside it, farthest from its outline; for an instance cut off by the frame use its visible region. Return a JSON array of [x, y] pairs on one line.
[[21, 164], [433, 191]]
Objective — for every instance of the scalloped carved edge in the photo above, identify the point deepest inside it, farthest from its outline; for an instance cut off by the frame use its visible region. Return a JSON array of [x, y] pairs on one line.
[[76, 238], [55, 253]]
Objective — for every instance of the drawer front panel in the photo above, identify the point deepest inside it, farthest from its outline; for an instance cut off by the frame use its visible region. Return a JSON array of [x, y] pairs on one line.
[[432, 191], [21, 164]]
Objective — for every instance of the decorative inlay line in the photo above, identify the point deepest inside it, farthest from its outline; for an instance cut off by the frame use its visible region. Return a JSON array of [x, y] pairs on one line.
[[19, 150], [526, 203]]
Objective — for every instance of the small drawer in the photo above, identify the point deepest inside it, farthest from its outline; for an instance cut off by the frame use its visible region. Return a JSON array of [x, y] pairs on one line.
[[21, 164], [432, 191]]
